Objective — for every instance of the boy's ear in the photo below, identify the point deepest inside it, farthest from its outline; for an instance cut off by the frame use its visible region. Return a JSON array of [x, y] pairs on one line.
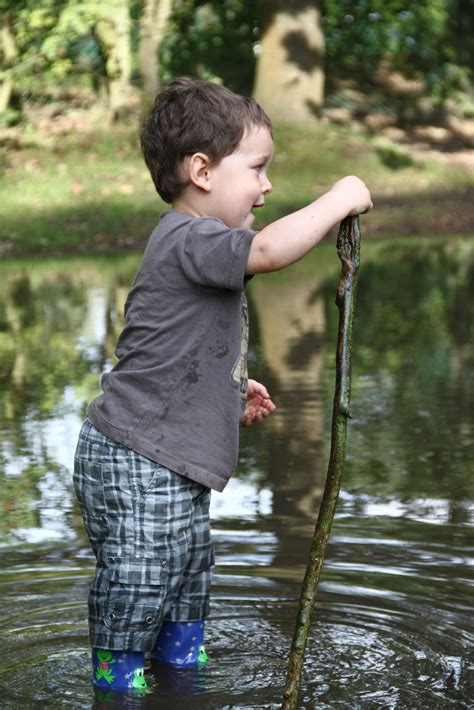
[[198, 169]]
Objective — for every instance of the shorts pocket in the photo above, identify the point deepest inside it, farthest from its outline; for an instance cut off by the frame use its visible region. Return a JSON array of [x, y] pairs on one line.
[[136, 593]]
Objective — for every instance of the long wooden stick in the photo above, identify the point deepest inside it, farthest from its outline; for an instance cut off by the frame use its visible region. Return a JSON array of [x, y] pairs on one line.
[[348, 249]]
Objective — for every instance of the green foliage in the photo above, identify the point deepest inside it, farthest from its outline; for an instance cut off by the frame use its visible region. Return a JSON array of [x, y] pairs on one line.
[[31, 27], [392, 155], [10, 117], [212, 40], [54, 40], [426, 38], [57, 40]]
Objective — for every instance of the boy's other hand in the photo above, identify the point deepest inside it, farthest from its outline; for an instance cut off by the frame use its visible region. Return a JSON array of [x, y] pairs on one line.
[[259, 405], [355, 193]]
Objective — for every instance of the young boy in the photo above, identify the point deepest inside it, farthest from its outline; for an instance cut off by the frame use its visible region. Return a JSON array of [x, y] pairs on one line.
[[164, 432]]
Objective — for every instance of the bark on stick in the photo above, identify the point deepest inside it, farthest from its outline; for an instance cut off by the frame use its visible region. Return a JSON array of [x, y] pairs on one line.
[[348, 249]]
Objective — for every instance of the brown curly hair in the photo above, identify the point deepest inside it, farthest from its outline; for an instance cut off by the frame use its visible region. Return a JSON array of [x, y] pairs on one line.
[[191, 116]]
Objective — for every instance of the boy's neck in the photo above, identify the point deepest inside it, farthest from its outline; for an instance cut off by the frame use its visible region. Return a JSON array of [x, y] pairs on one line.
[[190, 207]]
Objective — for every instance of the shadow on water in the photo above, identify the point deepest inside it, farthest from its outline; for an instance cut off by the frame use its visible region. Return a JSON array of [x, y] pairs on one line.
[[393, 620]]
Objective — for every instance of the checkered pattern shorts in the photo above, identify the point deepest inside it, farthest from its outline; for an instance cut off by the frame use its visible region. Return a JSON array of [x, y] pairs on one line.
[[149, 529]]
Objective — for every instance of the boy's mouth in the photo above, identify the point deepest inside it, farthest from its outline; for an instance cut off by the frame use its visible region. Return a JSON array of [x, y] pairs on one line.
[[251, 216]]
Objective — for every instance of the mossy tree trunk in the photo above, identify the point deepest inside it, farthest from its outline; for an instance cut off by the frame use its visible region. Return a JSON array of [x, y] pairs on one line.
[[113, 32], [153, 23], [289, 81], [10, 53]]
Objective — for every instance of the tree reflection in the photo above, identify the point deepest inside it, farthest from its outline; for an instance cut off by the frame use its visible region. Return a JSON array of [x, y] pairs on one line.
[[412, 432], [292, 325], [413, 373], [50, 362]]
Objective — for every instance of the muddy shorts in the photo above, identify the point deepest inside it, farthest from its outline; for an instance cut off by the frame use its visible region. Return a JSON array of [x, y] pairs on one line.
[[149, 529]]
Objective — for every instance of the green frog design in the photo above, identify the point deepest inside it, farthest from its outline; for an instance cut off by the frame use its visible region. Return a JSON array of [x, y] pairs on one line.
[[105, 658], [138, 678]]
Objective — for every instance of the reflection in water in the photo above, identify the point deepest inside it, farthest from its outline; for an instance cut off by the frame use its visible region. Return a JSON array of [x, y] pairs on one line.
[[291, 319], [393, 624]]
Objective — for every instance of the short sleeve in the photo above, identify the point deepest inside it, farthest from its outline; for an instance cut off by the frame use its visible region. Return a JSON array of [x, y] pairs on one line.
[[215, 255]]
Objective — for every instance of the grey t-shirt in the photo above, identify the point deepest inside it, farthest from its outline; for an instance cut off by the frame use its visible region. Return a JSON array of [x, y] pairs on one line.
[[178, 391]]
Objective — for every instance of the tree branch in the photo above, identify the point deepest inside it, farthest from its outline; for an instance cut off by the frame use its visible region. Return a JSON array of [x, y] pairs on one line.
[[348, 249]]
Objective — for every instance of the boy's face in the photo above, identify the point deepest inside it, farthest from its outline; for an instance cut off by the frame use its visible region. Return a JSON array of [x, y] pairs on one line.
[[239, 181]]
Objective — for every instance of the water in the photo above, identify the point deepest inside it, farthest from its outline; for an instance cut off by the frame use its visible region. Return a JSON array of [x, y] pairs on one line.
[[393, 624]]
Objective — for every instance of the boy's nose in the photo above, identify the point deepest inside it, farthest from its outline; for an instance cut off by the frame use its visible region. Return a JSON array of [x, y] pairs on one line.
[[267, 186]]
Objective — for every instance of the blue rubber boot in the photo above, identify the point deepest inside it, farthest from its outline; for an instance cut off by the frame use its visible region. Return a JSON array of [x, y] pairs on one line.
[[181, 644], [118, 670]]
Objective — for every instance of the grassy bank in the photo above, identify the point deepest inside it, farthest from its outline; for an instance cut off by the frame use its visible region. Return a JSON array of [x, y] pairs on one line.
[[88, 190]]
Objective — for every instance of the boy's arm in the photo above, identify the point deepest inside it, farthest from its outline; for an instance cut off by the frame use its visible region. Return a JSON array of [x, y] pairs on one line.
[[290, 238]]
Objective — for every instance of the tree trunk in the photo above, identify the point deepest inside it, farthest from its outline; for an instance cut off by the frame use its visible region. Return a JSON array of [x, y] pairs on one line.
[[10, 52], [289, 81], [153, 23], [113, 32]]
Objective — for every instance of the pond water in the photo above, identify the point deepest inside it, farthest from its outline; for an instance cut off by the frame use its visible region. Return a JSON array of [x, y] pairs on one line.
[[393, 625]]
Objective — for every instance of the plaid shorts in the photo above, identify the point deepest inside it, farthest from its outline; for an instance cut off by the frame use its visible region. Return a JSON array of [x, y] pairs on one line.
[[149, 529]]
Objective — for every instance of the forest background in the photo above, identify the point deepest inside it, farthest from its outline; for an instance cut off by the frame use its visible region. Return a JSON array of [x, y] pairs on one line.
[[380, 88]]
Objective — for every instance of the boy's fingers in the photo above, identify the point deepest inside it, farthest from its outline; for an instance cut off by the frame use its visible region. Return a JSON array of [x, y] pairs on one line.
[[260, 389]]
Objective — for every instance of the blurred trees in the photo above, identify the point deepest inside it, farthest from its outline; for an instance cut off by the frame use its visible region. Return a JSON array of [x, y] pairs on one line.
[[78, 43], [212, 40], [401, 52], [116, 51], [410, 60]]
